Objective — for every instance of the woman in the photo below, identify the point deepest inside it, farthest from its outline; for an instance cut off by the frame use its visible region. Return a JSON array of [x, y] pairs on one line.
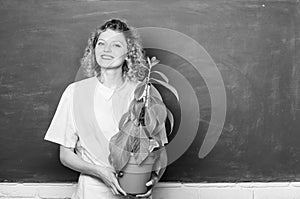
[[89, 110]]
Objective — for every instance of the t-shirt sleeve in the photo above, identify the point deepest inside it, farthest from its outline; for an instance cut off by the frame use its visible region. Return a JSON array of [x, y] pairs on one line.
[[62, 129]]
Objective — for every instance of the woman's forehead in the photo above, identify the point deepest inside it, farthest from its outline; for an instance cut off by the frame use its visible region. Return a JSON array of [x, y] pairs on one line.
[[111, 35]]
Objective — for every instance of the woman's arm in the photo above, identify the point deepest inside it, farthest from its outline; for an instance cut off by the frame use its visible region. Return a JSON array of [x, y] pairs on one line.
[[69, 159], [164, 161]]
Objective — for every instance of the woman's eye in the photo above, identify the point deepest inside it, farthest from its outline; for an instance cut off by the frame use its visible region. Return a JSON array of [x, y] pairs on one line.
[[118, 45], [100, 43]]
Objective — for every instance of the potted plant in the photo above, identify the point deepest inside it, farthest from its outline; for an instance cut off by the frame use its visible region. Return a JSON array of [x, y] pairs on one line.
[[134, 149]]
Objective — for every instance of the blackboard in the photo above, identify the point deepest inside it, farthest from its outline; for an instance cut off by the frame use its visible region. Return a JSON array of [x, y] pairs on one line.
[[254, 44]]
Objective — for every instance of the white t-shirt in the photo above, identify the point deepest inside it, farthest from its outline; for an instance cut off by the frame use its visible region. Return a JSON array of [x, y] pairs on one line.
[[63, 131]]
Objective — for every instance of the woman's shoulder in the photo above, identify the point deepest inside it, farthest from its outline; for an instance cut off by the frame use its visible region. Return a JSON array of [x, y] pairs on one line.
[[77, 84], [133, 83], [82, 82]]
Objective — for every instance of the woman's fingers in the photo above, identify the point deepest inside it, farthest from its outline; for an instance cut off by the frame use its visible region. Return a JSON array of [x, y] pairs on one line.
[[113, 191], [153, 181], [114, 184], [146, 195], [117, 185], [108, 175], [150, 183]]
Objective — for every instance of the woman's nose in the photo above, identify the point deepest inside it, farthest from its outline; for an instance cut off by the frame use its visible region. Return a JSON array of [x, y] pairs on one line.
[[107, 48]]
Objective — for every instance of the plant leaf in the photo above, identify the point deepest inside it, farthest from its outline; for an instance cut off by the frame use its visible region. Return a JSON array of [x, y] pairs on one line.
[[163, 76], [119, 147], [155, 95], [155, 100], [124, 119], [139, 91], [158, 140], [143, 152], [171, 119], [138, 109], [160, 134], [130, 128], [150, 121], [166, 85], [153, 144], [135, 109], [159, 110], [135, 144], [131, 109], [158, 129], [154, 61]]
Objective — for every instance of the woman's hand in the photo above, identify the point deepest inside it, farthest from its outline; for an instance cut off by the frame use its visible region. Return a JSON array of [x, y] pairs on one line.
[[156, 176], [108, 176], [69, 159], [151, 183]]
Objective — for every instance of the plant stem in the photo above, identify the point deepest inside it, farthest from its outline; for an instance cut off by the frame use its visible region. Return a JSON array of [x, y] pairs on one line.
[[147, 83], [146, 97]]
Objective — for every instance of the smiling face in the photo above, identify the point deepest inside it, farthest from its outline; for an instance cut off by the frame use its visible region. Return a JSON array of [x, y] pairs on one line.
[[111, 49]]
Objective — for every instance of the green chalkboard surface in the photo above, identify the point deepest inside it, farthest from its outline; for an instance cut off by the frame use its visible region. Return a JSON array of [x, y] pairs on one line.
[[254, 45]]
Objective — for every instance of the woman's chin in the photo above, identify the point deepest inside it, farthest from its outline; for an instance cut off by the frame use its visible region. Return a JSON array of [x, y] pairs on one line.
[[110, 66]]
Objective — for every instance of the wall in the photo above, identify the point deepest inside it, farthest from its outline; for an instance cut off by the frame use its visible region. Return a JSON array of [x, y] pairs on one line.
[[278, 190], [255, 45]]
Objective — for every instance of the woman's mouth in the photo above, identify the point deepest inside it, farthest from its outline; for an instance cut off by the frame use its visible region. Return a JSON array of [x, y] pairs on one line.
[[107, 57]]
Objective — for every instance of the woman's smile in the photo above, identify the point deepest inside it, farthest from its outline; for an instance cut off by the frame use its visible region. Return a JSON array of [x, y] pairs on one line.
[[106, 57]]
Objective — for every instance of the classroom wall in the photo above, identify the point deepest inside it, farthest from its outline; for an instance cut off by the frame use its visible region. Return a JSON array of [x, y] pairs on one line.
[[254, 45], [271, 190]]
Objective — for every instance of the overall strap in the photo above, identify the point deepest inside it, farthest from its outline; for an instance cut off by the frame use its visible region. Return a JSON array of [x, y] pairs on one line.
[[89, 133]]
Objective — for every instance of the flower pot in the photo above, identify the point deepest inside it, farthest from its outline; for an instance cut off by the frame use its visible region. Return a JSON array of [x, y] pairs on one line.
[[134, 178]]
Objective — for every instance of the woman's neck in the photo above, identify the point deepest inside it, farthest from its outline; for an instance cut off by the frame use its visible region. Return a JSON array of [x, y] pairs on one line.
[[111, 78]]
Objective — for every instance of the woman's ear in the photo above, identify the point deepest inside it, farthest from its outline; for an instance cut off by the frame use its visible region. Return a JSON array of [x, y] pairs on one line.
[[125, 67], [127, 57]]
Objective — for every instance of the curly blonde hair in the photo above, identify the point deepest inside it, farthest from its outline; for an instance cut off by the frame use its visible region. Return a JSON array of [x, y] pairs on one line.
[[134, 66]]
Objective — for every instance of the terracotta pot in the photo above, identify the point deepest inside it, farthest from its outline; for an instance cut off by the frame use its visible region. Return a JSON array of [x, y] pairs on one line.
[[136, 176]]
